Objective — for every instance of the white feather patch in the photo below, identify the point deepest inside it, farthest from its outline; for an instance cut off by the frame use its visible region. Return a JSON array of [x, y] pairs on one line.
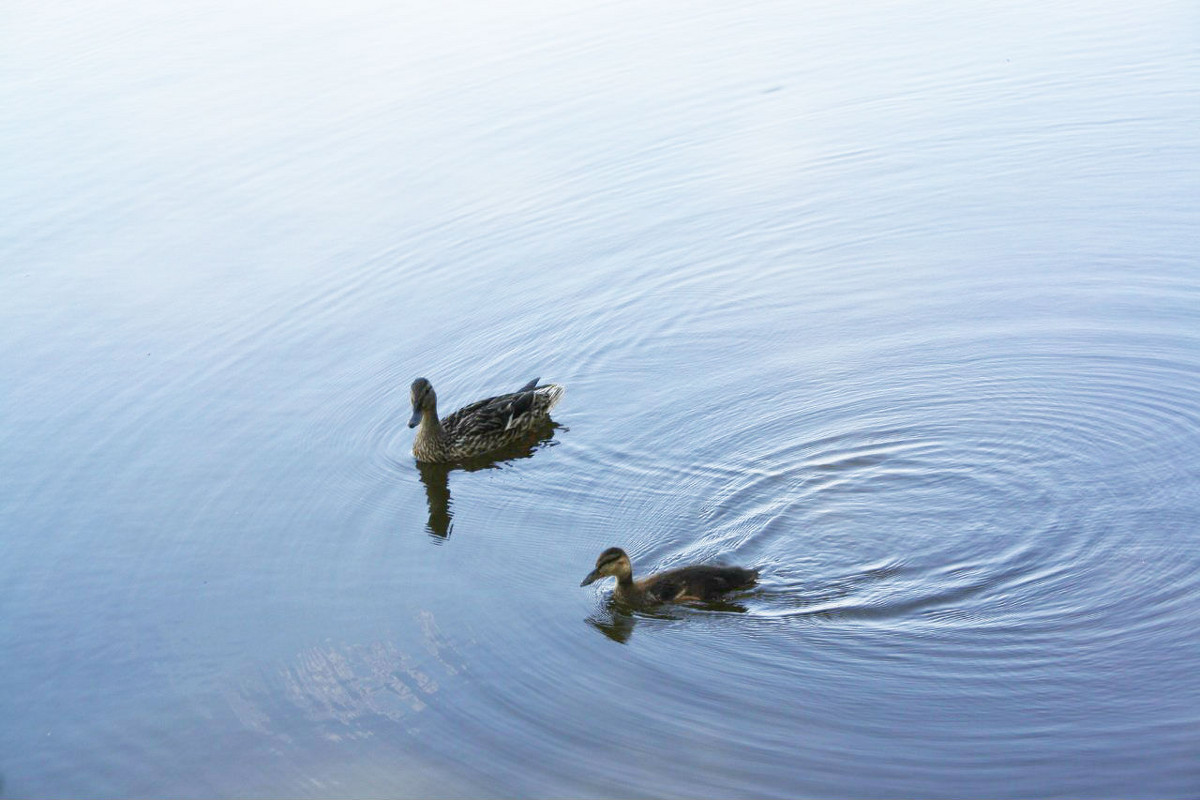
[[553, 393]]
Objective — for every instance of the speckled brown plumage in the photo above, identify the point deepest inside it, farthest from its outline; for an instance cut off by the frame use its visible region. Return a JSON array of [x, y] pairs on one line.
[[480, 428]]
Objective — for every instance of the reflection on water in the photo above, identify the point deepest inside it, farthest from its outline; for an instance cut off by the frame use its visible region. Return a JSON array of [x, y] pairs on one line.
[[616, 620], [618, 627], [436, 477], [352, 684], [369, 697]]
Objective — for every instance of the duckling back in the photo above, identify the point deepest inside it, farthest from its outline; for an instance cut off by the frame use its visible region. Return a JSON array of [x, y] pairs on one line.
[[701, 583]]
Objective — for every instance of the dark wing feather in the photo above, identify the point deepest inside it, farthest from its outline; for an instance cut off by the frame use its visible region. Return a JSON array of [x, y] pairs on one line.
[[727, 580], [665, 588], [493, 415], [700, 582]]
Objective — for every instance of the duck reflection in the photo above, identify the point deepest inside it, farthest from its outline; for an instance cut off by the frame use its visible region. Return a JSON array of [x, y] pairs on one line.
[[436, 477], [618, 627], [617, 619]]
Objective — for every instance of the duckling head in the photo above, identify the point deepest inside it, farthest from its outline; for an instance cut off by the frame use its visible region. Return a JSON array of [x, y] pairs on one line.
[[422, 396], [614, 562]]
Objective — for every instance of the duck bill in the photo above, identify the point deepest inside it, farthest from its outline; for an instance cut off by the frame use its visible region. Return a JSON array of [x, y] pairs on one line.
[[415, 419], [592, 577]]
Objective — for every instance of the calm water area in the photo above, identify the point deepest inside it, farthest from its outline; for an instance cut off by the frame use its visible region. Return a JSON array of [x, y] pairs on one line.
[[898, 302]]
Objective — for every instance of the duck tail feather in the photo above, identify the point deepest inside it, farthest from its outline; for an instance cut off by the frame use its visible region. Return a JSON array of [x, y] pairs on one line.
[[553, 393]]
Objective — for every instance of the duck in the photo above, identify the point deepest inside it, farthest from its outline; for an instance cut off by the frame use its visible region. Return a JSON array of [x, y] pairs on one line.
[[699, 583], [480, 428]]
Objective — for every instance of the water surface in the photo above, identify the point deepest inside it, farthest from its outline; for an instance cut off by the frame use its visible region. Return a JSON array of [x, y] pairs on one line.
[[898, 303]]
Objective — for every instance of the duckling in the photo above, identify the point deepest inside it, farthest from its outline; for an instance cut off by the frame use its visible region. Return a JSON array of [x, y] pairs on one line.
[[699, 583], [480, 428]]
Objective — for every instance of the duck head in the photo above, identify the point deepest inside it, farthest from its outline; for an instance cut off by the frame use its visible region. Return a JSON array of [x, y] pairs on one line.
[[423, 397], [614, 562]]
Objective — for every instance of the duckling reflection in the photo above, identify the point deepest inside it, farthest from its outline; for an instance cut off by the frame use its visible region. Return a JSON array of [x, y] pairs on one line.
[[617, 620], [617, 627], [436, 476], [703, 584], [614, 625]]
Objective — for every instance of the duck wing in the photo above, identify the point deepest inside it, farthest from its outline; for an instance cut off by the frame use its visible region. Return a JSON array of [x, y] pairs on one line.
[[700, 583], [666, 588], [728, 579], [495, 414]]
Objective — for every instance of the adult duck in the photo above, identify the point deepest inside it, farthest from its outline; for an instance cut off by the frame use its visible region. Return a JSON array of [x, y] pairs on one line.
[[480, 428]]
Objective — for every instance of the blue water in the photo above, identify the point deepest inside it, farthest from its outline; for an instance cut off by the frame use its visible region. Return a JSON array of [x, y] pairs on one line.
[[899, 303]]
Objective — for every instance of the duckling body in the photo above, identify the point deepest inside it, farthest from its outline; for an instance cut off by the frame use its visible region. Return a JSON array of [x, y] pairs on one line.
[[700, 583], [483, 426]]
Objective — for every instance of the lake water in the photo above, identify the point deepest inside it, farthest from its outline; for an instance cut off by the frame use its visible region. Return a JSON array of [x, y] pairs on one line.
[[898, 302]]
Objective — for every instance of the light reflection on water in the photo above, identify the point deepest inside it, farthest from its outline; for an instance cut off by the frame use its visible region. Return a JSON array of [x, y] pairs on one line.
[[897, 305]]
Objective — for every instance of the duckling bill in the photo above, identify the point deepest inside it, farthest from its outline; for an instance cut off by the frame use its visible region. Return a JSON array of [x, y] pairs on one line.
[[481, 427], [700, 583]]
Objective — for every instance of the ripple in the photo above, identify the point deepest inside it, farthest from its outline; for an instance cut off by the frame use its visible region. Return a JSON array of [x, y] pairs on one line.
[[951, 496], [920, 342], [976, 483]]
